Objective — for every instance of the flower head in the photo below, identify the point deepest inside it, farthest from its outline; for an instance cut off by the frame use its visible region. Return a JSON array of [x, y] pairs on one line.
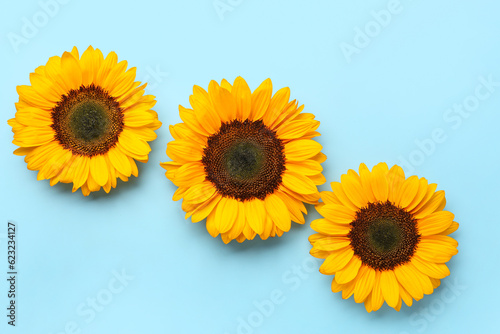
[[245, 160], [383, 236], [84, 120]]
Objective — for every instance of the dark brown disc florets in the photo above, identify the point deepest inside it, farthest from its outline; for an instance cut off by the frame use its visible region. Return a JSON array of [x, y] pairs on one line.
[[87, 121], [384, 236], [244, 160]]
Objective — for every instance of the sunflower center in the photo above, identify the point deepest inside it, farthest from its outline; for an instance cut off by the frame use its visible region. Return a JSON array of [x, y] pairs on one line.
[[384, 235], [87, 121], [244, 160]]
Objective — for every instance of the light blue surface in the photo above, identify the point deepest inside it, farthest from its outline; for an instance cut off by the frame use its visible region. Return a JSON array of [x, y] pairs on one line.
[[374, 105]]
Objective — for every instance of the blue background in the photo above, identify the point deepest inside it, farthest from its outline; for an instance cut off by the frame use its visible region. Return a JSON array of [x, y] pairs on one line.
[[382, 103]]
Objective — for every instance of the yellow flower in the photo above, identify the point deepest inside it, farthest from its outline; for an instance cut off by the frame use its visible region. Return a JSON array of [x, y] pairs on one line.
[[84, 120], [384, 237], [245, 161]]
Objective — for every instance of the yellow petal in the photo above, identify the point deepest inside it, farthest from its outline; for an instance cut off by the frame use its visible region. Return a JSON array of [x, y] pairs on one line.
[[405, 296], [315, 237], [423, 280], [320, 157], [53, 72], [54, 164], [306, 167], [133, 166], [119, 161], [407, 279], [189, 174], [74, 52], [435, 282], [248, 233], [368, 303], [184, 151], [348, 289], [269, 228], [380, 186], [349, 272], [200, 192], [390, 287], [336, 261], [452, 228], [331, 243], [290, 113], [336, 287], [182, 131], [92, 184], [206, 209], [278, 212], [261, 98], [226, 214], [435, 270], [81, 166], [435, 223], [296, 129], [125, 83], [30, 136], [342, 197], [39, 155], [352, 188], [206, 115], [337, 213], [90, 63], [256, 220], [431, 206], [99, 169], [436, 248], [366, 182], [137, 118], [329, 228], [133, 144], [320, 254], [191, 120], [72, 74], [36, 117], [329, 197], [219, 101], [44, 87], [276, 105], [377, 297], [32, 98], [211, 229], [294, 207], [239, 223], [409, 190], [364, 284], [419, 196], [398, 305], [395, 178], [106, 66], [243, 97], [114, 75], [299, 150], [431, 189], [298, 183]]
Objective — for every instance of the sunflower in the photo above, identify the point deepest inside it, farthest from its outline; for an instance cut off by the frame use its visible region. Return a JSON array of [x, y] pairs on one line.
[[384, 237], [84, 120], [245, 160]]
